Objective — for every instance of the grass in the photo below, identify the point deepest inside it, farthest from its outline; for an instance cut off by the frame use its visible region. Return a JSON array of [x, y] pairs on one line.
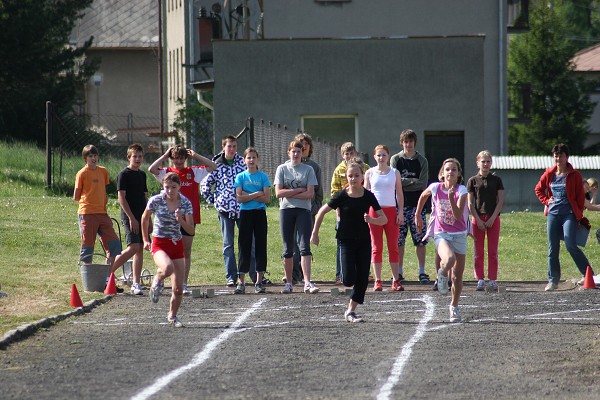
[[39, 243]]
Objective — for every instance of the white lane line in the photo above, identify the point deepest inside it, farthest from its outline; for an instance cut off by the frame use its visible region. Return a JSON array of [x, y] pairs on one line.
[[200, 357], [386, 389]]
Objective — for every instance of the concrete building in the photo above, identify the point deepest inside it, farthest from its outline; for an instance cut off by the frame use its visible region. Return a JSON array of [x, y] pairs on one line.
[[125, 90], [363, 70]]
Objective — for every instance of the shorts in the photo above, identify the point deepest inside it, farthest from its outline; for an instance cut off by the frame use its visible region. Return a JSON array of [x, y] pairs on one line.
[[456, 241], [409, 222], [130, 237], [173, 248]]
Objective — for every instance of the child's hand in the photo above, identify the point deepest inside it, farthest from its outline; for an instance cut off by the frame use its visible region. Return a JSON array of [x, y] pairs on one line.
[[367, 218], [481, 225], [134, 225], [314, 238], [147, 245], [179, 215], [399, 219], [451, 191], [418, 223]]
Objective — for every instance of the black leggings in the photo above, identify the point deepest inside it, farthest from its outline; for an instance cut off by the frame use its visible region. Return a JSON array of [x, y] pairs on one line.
[[355, 260]]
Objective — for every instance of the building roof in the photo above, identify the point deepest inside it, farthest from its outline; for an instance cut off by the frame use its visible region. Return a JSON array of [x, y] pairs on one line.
[[543, 162], [118, 24], [587, 59]]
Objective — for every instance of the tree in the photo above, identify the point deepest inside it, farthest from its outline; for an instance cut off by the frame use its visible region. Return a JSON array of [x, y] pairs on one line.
[[560, 103], [193, 122], [38, 65]]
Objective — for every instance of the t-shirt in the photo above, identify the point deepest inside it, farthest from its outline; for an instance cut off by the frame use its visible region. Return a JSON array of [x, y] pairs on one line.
[[92, 183], [561, 205], [409, 168], [165, 224], [134, 184], [444, 218], [485, 189], [352, 210], [252, 183], [190, 179], [292, 177]]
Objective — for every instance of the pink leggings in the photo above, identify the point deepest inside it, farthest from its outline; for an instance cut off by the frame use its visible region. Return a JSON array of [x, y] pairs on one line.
[[392, 231], [493, 236]]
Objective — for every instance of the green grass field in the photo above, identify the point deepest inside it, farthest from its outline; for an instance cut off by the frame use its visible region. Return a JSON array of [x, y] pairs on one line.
[[39, 242]]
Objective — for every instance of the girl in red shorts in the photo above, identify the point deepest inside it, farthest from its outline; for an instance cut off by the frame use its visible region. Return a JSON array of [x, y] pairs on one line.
[[172, 211]]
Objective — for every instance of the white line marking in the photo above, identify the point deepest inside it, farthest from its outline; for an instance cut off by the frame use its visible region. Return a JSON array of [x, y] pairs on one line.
[[386, 389], [200, 357]]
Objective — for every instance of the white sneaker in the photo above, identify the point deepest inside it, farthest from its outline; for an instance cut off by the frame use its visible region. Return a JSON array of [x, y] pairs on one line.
[[480, 285], [310, 288], [492, 284], [442, 282], [175, 322], [454, 314], [351, 316], [136, 289], [550, 287], [186, 291], [287, 289]]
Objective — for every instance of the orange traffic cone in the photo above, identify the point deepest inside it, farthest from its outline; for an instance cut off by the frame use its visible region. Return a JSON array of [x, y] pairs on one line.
[[75, 298], [588, 282], [111, 286]]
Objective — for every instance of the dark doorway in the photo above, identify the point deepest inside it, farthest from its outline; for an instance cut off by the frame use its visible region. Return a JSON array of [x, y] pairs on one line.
[[440, 145]]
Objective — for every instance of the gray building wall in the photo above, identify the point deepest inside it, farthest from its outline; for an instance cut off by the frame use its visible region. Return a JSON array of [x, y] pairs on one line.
[[385, 18], [426, 84]]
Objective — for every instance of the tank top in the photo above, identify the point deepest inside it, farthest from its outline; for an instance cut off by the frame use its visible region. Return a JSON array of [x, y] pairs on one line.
[[384, 187]]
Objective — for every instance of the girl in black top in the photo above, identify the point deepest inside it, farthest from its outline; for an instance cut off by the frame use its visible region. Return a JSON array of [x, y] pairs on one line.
[[354, 240]]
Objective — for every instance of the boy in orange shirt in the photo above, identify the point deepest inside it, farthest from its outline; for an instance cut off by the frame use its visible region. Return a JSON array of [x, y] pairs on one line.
[[90, 192]]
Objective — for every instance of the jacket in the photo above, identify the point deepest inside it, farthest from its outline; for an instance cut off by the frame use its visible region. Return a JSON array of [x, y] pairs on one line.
[[574, 188], [217, 187]]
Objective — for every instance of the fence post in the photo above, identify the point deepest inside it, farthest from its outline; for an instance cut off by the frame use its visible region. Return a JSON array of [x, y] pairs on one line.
[[49, 136], [251, 131]]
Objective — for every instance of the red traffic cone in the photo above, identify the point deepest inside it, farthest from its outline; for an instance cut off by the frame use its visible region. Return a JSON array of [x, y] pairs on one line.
[[588, 282], [111, 286], [75, 298]]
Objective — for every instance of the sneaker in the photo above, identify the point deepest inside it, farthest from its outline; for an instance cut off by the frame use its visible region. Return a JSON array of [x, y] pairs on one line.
[[424, 279], [397, 286], [311, 288], [550, 287], [136, 289], [259, 288], [230, 283], [287, 289], [186, 291], [492, 284], [377, 286], [161, 287], [240, 289], [442, 283], [400, 278], [454, 314], [338, 281], [175, 322], [154, 293], [351, 316], [434, 288], [581, 281], [480, 285]]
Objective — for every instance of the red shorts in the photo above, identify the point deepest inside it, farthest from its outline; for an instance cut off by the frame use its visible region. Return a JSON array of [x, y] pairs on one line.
[[173, 248]]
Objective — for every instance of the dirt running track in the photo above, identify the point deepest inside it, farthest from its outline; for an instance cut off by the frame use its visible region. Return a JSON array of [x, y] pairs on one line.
[[519, 344]]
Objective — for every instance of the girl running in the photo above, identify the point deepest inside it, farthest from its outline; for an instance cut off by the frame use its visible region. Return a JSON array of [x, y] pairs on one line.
[[450, 229], [354, 245], [172, 211]]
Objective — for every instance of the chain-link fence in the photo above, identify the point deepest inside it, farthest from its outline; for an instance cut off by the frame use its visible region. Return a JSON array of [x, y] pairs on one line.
[[272, 141]]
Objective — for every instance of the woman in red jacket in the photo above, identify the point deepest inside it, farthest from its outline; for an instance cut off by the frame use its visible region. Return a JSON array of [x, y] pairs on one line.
[[560, 190]]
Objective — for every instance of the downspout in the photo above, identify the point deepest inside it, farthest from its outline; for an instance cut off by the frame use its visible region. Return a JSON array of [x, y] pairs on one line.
[[203, 102], [160, 68]]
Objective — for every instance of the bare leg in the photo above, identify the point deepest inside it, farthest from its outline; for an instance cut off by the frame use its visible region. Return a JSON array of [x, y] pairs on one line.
[[377, 271], [305, 262], [457, 277]]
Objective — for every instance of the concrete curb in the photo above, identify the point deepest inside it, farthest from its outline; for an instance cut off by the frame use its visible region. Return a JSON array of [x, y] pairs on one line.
[[24, 331]]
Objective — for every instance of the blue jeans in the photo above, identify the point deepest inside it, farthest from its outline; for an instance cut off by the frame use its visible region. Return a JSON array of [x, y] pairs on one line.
[[228, 233], [559, 227]]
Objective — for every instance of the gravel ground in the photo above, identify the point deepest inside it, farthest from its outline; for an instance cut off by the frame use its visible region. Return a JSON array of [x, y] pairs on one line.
[[522, 343]]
